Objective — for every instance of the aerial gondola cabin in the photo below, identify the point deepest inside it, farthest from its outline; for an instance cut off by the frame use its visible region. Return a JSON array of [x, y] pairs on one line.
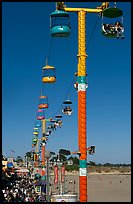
[[35, 137], [67, 102], [58, 121], [40, 114], [48, 74], [108, 29], [52, 127], [34, 141], [43, 102], [35, 131], [49, 127], [59, 24], [38, 123], [33, 144], [49, 131], [67, 110]]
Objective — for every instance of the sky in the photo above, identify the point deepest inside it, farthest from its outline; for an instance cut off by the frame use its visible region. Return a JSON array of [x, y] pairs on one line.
[[27, 44]]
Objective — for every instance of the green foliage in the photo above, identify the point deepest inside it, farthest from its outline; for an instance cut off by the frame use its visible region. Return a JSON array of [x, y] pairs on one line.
[[107, 164], [91, 163], [75, 160], [19, 159], [63, 158], [28, 154], [72, 167]]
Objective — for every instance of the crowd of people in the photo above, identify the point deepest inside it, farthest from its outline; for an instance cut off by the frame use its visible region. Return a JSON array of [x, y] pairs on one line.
[[117, 29], [21, 189]]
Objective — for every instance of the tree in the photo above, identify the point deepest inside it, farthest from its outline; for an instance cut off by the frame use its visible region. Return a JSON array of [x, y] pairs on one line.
[[19, 159], [28, 156], [108, 164], [63, 158], [73, 167], [91, 163], [75, 160]]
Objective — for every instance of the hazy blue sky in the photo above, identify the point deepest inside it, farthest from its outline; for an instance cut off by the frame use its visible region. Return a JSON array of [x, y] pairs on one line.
[[26, 43]]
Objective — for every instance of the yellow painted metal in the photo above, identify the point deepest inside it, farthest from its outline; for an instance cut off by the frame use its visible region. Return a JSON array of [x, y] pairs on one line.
[[35, 133], [48, 67], [43, 126], [48, 79], [35, 157], [89, 10], [42, 96], [81, 44]]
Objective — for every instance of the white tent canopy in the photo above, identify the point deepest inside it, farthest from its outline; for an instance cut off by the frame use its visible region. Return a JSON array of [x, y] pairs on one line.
[[22, 170]]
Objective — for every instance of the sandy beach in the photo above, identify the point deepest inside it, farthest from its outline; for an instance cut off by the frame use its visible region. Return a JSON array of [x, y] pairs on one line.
[[102, 187]]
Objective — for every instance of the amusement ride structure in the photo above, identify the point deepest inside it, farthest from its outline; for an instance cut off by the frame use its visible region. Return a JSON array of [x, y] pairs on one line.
[[60, 27]]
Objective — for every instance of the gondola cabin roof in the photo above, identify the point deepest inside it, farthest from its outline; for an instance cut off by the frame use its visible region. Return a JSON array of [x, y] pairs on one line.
[[67, 102], [112, 12], [48, 67], [43, 97], [59, 13], [58, 116]]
